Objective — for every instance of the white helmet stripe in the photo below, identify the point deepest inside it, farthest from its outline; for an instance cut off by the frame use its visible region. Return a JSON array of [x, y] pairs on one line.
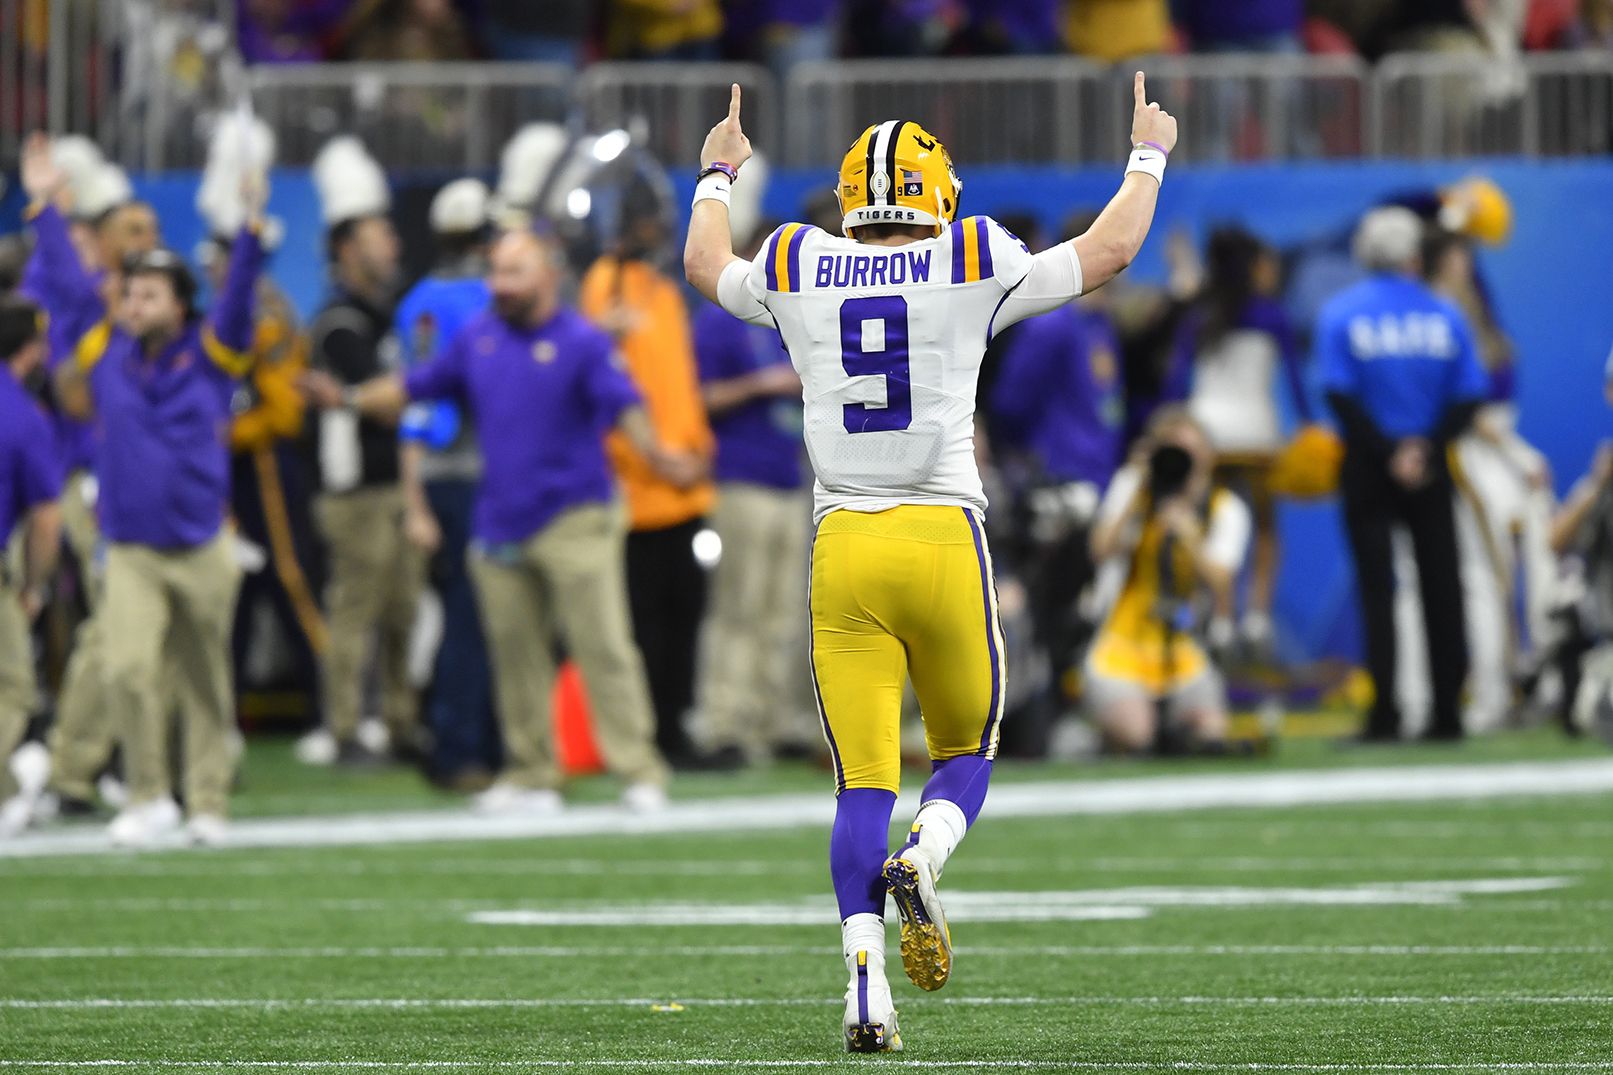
[[878, 152]]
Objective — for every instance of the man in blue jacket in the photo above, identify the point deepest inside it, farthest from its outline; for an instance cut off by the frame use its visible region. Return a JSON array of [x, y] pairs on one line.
[[1401, 372], [158, 378]]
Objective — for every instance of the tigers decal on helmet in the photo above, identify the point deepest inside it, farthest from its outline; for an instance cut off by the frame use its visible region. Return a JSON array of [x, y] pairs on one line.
[[896, 172]]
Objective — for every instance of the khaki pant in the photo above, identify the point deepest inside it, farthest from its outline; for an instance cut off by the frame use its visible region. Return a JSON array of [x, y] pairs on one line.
[[375, 577], [569, 579], [16, 678], [168, 616], [753, 639], [83, 734]]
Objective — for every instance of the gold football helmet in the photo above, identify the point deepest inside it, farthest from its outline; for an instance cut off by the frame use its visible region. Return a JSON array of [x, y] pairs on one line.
[[896, 172]]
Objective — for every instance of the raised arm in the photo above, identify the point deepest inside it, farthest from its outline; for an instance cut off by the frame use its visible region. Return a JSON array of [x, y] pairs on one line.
[[1115, 237], [710, 246], [227, 335], [54, 275]]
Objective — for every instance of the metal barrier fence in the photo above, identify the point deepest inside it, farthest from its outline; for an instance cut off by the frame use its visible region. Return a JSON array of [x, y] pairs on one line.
[[135, 75], [456, 117], [448, 117]]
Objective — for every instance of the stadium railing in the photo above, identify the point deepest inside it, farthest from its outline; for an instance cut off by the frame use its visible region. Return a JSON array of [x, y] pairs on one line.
[[1556, 104], [672, 106], [1065, 110], [452, 117], [1055, 110]]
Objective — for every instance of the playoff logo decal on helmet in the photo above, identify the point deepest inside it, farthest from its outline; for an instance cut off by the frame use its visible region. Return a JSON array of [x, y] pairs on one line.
[[896, 172]]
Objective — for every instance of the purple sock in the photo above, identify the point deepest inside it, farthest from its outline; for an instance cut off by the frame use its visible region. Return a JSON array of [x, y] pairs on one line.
[[858, 848], [961, 780]]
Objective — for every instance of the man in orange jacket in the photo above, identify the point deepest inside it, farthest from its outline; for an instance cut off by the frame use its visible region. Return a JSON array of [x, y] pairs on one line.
[[644, 311]]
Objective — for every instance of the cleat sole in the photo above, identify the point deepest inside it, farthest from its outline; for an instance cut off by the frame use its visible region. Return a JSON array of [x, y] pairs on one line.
[[926, 946], [872, 1038]]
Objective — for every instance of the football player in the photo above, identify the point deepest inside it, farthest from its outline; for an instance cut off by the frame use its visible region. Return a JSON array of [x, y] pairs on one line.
[[886, 325]]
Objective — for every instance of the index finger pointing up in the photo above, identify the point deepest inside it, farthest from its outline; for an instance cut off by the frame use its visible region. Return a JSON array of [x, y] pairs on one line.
[[733, 103], [1138, 91]]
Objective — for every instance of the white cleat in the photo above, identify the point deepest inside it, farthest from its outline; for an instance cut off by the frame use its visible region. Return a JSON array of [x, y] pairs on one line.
[[870, 1022], [645, 798], [15, 814], [207, 830], [926, 941], [143, 824], [508, 800]]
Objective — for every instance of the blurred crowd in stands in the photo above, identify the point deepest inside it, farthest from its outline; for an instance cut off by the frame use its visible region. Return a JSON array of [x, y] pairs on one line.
[[409, 600], [781, 34]]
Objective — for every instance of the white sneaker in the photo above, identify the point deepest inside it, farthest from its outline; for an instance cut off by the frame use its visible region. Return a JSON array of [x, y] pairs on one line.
[[318, 747], [373, 736], [112, 791], [926, 941], [144, 823], [644, 798], [30, 767], [508, 800], [15, 813], [870, 1022], [46, 808], [207, 830]]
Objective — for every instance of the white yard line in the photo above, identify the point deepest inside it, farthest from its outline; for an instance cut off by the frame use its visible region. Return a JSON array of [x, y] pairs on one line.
[[1008, 799], [713, 1062], [964, 905], [271, 1004], [716, 1062], [327, 866], [1094, 951]]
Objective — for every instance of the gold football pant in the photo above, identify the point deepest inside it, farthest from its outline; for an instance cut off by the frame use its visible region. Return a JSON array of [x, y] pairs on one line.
[[898, 593]]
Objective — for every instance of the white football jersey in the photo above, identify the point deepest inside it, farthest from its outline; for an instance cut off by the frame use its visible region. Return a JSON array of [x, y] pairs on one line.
[[888, 342]]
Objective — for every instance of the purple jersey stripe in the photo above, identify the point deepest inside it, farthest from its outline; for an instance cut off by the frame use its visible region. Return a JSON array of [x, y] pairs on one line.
[[960, 270], [991, 632], [984, 241], [772, 261], [793, 254]]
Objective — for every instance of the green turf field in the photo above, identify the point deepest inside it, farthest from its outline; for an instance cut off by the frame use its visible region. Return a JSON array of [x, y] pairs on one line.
[[1446, 936]]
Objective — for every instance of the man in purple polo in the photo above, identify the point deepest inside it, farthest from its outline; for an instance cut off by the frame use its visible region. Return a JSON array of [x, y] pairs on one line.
[[158, 379], [543, 387]]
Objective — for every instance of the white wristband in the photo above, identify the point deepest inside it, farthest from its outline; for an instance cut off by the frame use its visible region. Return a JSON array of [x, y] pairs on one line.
[[1148, 160], [714, 187]]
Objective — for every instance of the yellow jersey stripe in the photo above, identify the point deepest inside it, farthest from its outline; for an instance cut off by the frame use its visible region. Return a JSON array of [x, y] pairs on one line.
[[971, 252], [91, 346], [233, 362]]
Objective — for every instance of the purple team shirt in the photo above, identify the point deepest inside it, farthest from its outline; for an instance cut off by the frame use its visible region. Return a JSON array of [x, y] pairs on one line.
[[162, 422], [542, 399], [755, 441], [1059, 391], [77, 307], [30, 468]]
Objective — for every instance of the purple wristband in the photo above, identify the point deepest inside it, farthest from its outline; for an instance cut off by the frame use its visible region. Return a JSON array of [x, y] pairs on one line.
[[1154, 145]]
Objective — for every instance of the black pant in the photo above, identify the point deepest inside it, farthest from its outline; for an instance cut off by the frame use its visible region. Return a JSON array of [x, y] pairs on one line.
[[1373, 504], [666, 587]]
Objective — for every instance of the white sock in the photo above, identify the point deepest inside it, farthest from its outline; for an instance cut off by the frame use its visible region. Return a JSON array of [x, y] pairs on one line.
[[941, 826], [864, 933]]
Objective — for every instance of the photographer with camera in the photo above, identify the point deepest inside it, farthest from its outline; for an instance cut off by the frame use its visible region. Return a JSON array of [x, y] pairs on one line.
[[1173, 543]]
